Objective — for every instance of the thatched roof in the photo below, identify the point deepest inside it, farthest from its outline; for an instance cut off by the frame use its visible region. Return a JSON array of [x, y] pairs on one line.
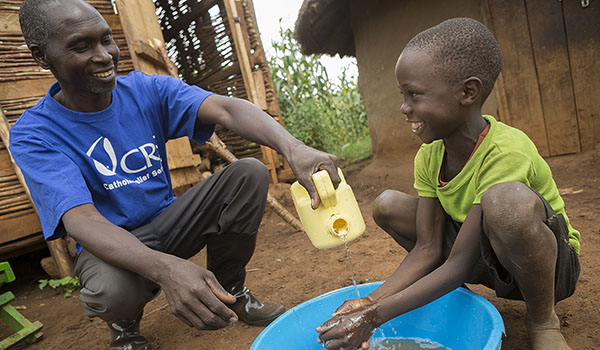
[[324, 26]]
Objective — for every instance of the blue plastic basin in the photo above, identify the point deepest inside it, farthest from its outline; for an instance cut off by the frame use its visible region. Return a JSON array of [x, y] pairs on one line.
[[459, 320]]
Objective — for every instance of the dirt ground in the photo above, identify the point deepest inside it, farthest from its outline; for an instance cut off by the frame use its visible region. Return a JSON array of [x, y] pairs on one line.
[[286, 268]]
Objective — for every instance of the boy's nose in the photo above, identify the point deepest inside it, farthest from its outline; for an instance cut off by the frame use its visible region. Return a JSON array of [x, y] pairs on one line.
[[405, 108]]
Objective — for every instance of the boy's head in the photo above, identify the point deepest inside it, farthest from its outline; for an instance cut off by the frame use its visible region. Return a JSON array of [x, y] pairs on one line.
[[445, 73], [461, 48]]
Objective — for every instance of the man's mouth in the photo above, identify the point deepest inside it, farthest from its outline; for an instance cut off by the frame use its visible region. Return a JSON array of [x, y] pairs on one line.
[[106, 74]]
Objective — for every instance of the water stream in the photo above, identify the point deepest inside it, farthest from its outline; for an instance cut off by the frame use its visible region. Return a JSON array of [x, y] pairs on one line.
[[349, 257]]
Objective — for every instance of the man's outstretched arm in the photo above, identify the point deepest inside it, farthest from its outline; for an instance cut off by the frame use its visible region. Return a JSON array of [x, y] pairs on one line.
[[251, 123]]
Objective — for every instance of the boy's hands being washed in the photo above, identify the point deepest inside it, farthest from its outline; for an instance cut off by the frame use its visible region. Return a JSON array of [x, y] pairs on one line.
[[353, 304], [351, 329]]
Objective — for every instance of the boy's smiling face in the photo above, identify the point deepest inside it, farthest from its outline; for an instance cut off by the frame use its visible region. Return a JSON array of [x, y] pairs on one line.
[[431, 103]]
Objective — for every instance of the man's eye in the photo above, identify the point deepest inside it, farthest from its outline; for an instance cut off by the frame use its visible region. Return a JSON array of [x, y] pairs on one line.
[[80, 48]]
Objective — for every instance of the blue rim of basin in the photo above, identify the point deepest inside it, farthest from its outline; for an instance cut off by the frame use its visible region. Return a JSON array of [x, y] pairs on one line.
[[494, 342]]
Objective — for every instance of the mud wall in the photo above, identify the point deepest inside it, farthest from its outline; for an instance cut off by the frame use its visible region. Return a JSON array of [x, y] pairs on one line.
[[381, 30]]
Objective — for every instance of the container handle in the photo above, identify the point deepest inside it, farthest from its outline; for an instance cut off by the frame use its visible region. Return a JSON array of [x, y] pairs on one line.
[[325, 188]]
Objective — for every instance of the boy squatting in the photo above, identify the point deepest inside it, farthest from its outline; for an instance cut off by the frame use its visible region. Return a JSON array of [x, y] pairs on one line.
[[488, 209]]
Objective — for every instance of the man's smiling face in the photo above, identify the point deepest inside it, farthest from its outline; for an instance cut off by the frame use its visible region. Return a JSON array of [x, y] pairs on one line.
[[80, 51]]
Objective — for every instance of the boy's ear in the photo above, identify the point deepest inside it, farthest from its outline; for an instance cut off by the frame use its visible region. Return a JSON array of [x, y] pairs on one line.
[[39, 55], [471, 91]]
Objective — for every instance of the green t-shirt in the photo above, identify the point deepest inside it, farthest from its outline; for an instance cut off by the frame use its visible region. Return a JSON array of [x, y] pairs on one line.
[[506, 154]]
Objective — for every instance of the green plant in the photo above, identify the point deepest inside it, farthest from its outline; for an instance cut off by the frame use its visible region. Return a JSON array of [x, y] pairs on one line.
[[324, 114], [68, 284]]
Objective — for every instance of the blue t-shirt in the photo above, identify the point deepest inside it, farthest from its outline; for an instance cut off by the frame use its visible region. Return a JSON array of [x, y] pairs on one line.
[[115, 159]]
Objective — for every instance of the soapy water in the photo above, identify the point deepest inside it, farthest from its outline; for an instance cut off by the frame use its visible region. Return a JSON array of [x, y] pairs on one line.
[[404, 344]]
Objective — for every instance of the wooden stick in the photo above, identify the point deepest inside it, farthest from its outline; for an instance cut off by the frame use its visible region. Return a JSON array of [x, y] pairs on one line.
[[8, 178], [11, 209], [18, 214], [57, 248]]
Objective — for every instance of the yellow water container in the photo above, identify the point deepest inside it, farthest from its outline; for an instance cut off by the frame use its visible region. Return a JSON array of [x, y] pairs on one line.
[[338, 217]]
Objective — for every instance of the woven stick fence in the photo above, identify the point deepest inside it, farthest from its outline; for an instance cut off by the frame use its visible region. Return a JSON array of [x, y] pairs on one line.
[[200, 43]]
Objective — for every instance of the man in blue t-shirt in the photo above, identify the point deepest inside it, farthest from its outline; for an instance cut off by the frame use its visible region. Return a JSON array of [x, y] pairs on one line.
[[93, 155]]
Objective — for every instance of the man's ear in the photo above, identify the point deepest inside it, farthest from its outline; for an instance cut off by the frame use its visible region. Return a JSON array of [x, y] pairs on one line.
[[471, 91], [39, 55]]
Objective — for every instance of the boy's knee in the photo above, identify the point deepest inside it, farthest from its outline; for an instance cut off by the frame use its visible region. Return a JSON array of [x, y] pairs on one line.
[[509, 205], [385, 206]]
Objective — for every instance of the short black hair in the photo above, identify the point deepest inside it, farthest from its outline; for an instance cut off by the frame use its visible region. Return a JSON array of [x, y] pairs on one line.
[[462, 48], [34, 22]]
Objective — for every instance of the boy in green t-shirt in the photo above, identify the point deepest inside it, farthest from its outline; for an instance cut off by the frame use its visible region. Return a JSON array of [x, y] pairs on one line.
[[488, 209]]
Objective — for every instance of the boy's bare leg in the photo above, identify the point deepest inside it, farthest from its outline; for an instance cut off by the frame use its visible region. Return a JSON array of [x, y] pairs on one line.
[[514, 221], [396, 212]]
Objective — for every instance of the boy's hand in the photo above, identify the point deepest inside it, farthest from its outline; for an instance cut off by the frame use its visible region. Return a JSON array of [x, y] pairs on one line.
[[353, 304], [305, 161], [350, 330]]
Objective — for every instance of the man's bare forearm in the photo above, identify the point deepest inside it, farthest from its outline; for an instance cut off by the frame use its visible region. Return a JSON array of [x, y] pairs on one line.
[[248, 121], [113, 244]]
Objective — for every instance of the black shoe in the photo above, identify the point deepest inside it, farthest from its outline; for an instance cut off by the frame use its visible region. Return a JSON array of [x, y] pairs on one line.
[[125, 335], [253, 312]]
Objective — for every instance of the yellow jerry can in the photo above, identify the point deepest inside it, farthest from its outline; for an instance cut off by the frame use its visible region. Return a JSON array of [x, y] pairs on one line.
[[338, 217]]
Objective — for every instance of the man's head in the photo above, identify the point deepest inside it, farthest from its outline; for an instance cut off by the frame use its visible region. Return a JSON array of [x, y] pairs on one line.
[[73, 41], [461, 48]]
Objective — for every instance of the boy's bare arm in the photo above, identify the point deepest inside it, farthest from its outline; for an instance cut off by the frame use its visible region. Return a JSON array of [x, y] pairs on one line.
[[354, 327], [425, 256], [449, 276]]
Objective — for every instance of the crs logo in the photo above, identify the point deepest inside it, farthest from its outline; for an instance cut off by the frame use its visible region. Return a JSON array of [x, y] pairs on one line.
[[146, 150]]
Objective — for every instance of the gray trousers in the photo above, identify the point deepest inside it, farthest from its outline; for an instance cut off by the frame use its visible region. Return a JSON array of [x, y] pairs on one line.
[[222, 213]]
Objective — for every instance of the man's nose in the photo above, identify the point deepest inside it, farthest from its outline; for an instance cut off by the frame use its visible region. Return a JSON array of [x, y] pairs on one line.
[[101, 54]]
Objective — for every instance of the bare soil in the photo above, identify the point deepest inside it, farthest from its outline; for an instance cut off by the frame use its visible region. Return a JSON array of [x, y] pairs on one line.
[[287, 269]]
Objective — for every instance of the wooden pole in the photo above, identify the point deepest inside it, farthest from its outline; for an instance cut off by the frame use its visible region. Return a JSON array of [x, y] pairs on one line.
[[243, 54], [58, 248]]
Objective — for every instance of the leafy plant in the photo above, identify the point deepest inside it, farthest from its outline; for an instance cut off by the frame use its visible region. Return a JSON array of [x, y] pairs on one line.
[[68, 284], [324, 114]]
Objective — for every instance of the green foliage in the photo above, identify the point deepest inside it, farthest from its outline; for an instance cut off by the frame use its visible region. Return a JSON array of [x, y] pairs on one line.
[[325, 115], [68, 284]]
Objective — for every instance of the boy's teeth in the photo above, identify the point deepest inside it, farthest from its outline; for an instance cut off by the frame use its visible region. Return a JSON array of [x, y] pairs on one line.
[[416, 125]]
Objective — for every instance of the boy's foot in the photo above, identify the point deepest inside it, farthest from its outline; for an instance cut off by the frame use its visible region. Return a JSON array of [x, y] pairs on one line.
[[546, 336]]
